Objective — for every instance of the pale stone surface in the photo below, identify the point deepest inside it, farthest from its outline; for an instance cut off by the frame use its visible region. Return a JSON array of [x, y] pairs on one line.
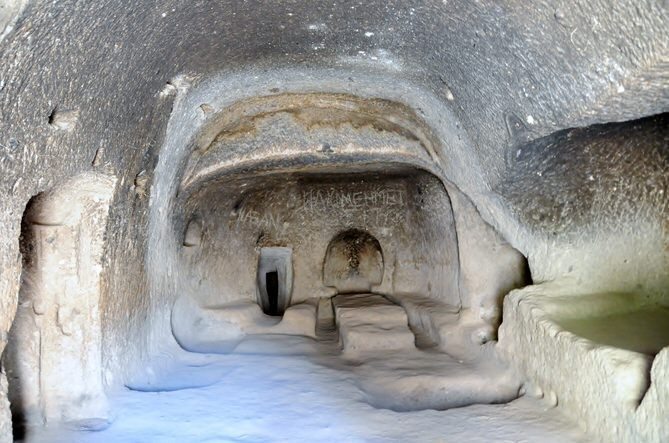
[[306, 213], [373, 334], [369, 322], [265, 395], [414, 380], [224, 93], [219, 329], [53, 360], [10, 11], [353, 262], [489, 268], [596, 383]]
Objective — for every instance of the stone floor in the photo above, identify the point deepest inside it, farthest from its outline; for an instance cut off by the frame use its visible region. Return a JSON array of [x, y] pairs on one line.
[[260, 393]]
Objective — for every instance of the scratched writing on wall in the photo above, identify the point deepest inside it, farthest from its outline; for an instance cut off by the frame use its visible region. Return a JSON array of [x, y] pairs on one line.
[[326, 205]]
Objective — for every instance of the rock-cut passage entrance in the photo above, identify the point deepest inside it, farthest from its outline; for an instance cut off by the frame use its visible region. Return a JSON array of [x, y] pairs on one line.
[[272, 287], [275, 277]]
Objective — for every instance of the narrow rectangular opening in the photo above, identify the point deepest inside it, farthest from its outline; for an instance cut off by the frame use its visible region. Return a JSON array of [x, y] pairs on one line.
[[272, 285]]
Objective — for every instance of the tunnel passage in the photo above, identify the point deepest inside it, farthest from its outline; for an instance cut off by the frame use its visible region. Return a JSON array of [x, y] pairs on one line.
[[372, 254], [346, 163], [353, 262]]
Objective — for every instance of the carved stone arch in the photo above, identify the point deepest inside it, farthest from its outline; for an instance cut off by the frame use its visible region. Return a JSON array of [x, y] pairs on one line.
[[353, 262]]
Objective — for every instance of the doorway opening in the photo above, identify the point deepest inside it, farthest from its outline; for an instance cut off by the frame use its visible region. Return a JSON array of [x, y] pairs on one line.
[[272, 285], [275, 280]]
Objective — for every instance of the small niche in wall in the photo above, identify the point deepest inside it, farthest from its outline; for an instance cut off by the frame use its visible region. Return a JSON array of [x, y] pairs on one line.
[[275, 279], [193, 233], [353, 262]]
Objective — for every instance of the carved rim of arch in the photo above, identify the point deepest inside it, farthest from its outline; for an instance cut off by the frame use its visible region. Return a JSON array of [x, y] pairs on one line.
[[412, 143]]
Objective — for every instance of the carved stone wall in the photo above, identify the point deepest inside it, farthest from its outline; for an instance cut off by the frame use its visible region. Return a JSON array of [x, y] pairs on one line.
[[410, 215], [54, 353]]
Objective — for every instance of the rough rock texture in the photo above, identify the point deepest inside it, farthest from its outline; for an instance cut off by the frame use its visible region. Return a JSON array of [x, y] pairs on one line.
[[131, 89], [418, 246], [353, 261], [605, 185]]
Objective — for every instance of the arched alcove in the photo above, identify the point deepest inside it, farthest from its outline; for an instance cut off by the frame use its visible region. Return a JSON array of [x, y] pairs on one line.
[[353, 262], [54, 351]]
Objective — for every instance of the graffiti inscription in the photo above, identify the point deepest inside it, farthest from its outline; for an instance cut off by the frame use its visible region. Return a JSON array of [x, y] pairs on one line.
[[323, 206]]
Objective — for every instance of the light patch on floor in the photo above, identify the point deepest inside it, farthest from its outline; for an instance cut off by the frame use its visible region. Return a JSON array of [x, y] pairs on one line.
[[260, 397]]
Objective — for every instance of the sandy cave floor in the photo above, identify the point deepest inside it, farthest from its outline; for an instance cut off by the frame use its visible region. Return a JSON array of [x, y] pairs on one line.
[[255, 395]]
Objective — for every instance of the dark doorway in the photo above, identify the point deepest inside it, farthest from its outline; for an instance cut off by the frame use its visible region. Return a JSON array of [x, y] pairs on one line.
[[272, 285], [275, 279]]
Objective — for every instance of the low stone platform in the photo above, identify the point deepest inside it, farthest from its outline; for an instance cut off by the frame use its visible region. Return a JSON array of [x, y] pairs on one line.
[[370, 322]]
